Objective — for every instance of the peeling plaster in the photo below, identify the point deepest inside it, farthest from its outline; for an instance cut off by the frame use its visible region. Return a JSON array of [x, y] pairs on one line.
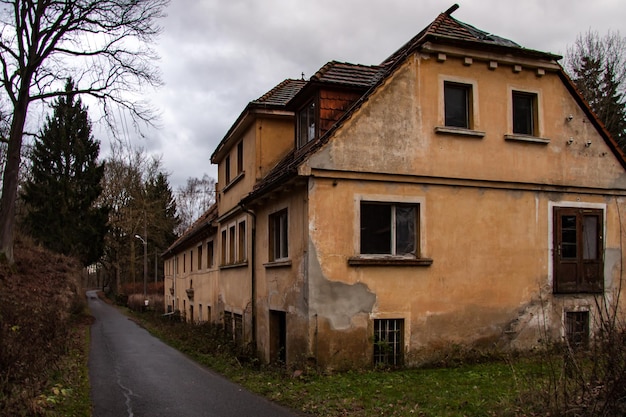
[[337, 302]]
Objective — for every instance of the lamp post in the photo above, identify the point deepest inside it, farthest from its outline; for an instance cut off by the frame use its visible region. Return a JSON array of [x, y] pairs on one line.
[[145, 264]]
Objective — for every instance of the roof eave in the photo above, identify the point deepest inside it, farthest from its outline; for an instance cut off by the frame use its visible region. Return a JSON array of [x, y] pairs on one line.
[[245, 119]]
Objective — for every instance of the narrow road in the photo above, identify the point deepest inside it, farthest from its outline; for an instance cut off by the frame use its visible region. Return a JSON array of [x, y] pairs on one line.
[[135, 374]]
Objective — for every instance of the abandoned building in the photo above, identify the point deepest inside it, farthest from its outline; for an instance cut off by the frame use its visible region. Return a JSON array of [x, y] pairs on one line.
[[459, 193]]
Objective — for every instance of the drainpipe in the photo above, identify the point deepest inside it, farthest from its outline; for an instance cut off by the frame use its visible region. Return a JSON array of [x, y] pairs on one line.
[[252, 272]]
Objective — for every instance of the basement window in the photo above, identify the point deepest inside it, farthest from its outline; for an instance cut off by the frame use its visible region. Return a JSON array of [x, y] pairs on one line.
[[388, 342], [577, 329]]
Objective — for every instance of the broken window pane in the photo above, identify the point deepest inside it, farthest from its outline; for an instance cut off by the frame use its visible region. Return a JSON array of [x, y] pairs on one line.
[[405, 230]]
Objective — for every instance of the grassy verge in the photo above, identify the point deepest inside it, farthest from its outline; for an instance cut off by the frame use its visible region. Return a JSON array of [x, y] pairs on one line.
[[494, 388], [68, 390]]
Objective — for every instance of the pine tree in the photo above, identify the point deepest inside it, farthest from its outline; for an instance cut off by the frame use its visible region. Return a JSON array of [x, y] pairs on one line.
[[597, 66], [65, 183], [162, 217]]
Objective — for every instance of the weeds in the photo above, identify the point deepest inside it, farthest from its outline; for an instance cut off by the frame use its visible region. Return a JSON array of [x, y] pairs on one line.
[[473, 387], [40, 302]]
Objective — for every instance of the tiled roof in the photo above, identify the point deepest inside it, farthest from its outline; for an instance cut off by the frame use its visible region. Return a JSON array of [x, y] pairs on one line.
[[201, 225], [276, 98], [444, 28], [281, 94], [348, 74], [447, 28]]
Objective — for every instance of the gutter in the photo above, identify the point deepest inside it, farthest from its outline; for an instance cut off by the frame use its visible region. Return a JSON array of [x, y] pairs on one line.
[[252, 273]]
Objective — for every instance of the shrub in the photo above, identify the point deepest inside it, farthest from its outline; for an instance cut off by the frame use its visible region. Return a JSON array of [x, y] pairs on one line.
[[590, 382], [39, 296]]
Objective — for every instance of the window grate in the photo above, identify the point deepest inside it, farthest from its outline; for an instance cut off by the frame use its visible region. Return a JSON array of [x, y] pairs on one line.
[[388, 341], [577, 329]]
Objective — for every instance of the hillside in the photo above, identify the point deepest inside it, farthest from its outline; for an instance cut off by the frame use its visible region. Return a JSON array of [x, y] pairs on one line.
[[40, 305]]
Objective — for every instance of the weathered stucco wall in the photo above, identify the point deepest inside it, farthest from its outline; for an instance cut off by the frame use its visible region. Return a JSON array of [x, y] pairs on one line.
[[394, 131], [282, 286], [485, 214], [489, 284]]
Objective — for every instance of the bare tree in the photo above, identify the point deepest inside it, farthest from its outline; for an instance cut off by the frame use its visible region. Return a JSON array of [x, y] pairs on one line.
[[193, 199], [101, 44]]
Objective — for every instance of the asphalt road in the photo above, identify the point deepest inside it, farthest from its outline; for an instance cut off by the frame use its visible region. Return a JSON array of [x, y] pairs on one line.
[[136, 375]]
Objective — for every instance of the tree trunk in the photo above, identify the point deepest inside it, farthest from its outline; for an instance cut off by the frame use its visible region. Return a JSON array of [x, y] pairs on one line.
[[11, 173]]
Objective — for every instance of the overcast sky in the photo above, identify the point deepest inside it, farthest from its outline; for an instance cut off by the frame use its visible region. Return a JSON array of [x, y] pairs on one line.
[[218, 55]]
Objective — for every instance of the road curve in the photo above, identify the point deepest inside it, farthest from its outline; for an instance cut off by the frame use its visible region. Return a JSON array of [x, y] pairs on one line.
[[134, 374]]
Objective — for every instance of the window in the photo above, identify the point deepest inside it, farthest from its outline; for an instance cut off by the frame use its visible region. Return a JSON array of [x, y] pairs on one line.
[[241, 239], [234, 244], [233, 327], [224, 242], [191, 260], [457, 104], [578, 250], [184, 263], [199, 257], [278, 240], [388, 341], [239, 157], [228, 324], [231, 244], [209, 254], [306, 128], [577, 329], [227, 169], [238, 329], [389, 229], [524, 113]]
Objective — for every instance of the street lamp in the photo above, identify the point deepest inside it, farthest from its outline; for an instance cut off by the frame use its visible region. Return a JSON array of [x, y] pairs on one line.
[[145, 264]]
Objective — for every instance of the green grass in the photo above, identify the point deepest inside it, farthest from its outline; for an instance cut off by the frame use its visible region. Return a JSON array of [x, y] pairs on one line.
[[68, 392], [493, 388]]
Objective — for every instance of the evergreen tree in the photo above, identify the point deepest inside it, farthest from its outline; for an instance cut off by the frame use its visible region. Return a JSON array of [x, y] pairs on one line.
[[65, 182], [597, 66]]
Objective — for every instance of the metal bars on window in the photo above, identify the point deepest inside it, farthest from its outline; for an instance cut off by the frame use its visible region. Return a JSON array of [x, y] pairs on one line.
[[388, 341]]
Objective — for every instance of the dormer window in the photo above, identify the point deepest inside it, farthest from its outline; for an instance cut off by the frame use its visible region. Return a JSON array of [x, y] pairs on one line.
[[307, 129]]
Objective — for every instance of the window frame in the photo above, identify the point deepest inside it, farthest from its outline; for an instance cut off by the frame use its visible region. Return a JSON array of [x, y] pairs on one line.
[[227, 175], [531, 120], [310, 112], [240, 169], [388, 352], [363, 259], [468, 104], [536, 114], [241, 241], [472, 108], [573, 275], [393, 229], [278, 236], [210, 254], [234, 244], [577, 329]]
